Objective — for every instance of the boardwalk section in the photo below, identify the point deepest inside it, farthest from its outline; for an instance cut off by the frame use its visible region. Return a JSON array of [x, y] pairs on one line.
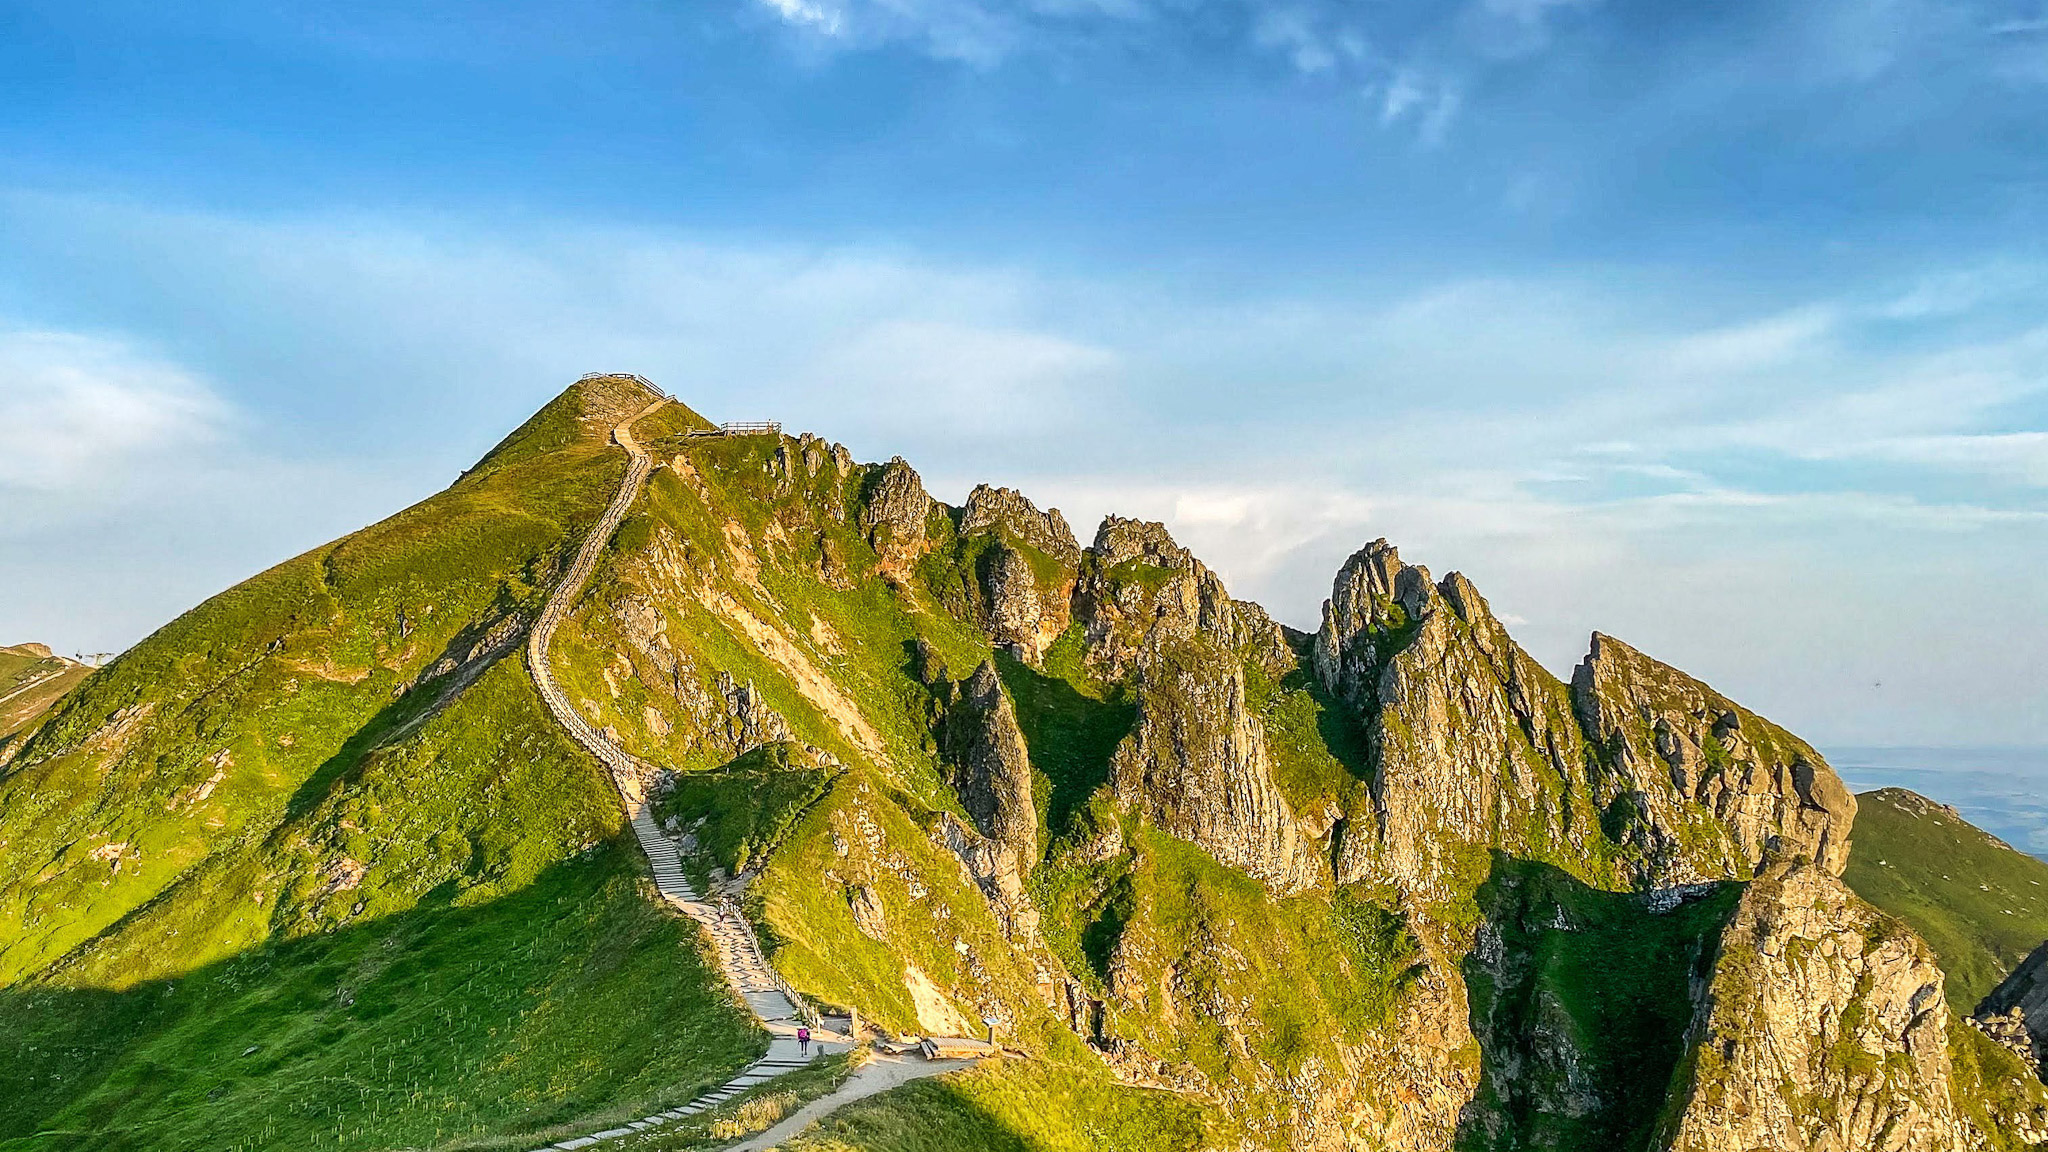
[[767, 995]]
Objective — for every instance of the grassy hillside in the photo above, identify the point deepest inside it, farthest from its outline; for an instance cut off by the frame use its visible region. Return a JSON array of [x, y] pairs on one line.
[[1580, 963], [32, 679], [1980, 903], [324, 815], [311, 867], [1014, 1106], [431, 1028]]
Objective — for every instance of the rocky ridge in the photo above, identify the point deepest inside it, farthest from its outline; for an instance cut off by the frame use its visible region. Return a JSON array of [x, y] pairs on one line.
[[1391, 885]]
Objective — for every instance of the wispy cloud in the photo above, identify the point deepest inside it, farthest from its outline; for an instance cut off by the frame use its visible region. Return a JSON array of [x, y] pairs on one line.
[[73, 406], [1575, 443]]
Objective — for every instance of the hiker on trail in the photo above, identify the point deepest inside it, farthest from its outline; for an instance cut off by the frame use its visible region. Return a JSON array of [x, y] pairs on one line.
[[803, 1040]]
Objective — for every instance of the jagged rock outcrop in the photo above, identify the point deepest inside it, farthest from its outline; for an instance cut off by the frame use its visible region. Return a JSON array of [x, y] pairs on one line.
[[1012, 512], [1478, 745], [998, 871], [1474, 740], [1822, 1027], [1197, 766], [809, 456], [1669, 738], [1027, 577], [991, 765], [1139, 590], [2016, 1012], [722, 719], [895, 515]]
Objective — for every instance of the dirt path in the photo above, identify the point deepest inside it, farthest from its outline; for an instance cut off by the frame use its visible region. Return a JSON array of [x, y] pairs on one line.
[[878, 1075]]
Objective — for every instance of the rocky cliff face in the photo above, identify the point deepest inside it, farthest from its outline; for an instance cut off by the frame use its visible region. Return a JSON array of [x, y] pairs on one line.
[[1669, 740], [992, 766], [1197, 766], [1138, 588], [1822, 1027], [896, 516], [1478, 746], [1392, 887], [1027, 575], [2016, 1012], [1474, 743]]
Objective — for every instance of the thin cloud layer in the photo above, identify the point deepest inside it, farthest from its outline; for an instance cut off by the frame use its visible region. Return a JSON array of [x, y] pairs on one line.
[[1590, 450], [74, 407]]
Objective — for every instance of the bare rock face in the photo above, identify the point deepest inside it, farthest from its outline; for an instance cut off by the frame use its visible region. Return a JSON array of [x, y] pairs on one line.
[[1671, 739], [2016, 1012], [896, 516], [722, 718], [1821, 1029], [997, 870], [1197, 766], [1009, 510], [1139, 590], [1027, 577], [1475, 741], [993, 766], [1480, 746], [1364, 617]]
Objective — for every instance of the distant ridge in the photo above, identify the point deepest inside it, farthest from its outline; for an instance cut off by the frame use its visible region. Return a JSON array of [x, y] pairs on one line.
[[32, 678]]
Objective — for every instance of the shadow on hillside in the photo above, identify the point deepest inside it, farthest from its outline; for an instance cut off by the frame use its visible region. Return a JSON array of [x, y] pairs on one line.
[[1342, 730], [945, 1115], [1581, 1018], [1071, 736], [420, 1028]]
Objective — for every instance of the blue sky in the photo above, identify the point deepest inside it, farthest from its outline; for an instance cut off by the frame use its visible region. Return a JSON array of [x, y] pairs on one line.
[[1718, 327]]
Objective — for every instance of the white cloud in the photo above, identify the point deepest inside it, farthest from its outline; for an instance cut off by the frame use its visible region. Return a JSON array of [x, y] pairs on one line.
[[2021, 457], [72, 406], [1772, 342], [1584, 449], [819, 17], [1515, 28]]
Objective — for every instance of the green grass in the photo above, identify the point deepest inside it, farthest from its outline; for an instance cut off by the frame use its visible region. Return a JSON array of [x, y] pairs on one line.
[[747, 807], [1320, 750], [1072, 723], [31, 684], [755, 535], [1014, 1106], [1993, 1087], [437, 1028], [323, 814], [1981, 905], [278, 687], [781, 1096], [1261, 988], [1612, 986], [865, 834]]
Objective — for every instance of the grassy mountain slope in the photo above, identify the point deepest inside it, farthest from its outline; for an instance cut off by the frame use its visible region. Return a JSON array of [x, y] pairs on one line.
[[324, 813], [744, 571], [312, 867], [748, 569], [32, 679], [1980, 903]]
